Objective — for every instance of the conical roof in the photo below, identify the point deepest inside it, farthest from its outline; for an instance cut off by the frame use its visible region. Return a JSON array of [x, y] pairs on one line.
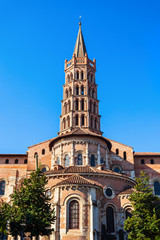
[[80, 48]]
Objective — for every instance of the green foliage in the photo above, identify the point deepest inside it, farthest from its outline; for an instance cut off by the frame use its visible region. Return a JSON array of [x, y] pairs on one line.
[[4, 210], [30, 208], [145, 220]]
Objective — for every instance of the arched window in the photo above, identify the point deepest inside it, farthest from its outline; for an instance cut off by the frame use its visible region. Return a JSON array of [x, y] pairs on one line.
[[66, 93], [82, 90], [90, 92], [88, 76], [90, 106], [43, 170], [71, 76], [77, 74], [117, 169], [102, 160], [82, 104], [65, 108], [117, 151], [25, 161], [76, 120], [91, 121], [74, 214], [77, 90], [96, 124], [6, 161], [152, 161], [128, 213], [110, 219], [93, 93], [64, 123], [68, 121], [58, 161], [156, 188], [93, 162], [76, 104], [142, 161], [82, 120], [94, 108], [91, 78], [66, 161], [69, 106], [2, 187], [68, 78], [43, 151], [79, 159], [124, 155], [16, 161], [70, 92], [82, 75]]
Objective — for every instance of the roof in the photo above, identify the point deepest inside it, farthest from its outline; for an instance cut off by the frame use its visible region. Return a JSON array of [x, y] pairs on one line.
[[118, 142], [128, 191], [13, 154], [80, 131], [147, 154], [77, 180], [81, 169], [80, 48]]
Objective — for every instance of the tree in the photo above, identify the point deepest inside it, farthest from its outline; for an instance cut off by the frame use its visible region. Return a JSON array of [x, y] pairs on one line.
[[145, 220], [30, 208]]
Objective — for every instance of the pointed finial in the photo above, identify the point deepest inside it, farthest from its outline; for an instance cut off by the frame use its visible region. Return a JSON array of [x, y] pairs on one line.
[[79, 20]]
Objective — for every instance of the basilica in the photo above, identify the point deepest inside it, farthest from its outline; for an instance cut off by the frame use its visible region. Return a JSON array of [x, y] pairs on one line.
[[90, 177]]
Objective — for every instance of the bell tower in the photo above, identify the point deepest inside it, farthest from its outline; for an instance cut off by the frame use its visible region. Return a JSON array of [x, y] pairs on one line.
[[80, 107]]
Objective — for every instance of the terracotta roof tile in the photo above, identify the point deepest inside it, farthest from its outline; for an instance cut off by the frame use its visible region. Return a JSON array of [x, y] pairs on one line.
[[147, 154], [128, 191], [77, 180], [82, 169]]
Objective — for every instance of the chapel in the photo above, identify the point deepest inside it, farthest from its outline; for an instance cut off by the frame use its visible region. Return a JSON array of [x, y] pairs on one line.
[[90, 177]]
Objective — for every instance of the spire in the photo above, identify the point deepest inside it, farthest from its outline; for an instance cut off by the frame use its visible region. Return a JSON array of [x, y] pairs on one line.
[[80, 48]]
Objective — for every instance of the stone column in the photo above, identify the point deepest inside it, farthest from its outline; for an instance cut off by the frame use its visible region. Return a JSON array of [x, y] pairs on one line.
[[87, 152], [98, 154], [72, 153], [107, 163]]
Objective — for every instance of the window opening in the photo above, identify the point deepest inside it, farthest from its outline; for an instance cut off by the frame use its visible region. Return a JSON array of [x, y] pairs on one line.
[[25, 161], [76, 120], [79, 159], [2, 187], [66, 161], [43, 170], [82, 75], [82, 90], [16, 161], [157, 188], [6, 161], [82, 120], [76, 104], [142, 161], [82, 104], [124, 155], [110, 219], [93, 162], [74, 215], [77, 74], [77, 90]]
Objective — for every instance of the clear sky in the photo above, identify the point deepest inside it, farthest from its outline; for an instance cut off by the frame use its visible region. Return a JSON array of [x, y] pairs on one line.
[[37, 36]]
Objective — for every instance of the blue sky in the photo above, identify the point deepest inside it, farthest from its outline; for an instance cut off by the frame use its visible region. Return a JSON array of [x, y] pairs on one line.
[[35, 39]]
